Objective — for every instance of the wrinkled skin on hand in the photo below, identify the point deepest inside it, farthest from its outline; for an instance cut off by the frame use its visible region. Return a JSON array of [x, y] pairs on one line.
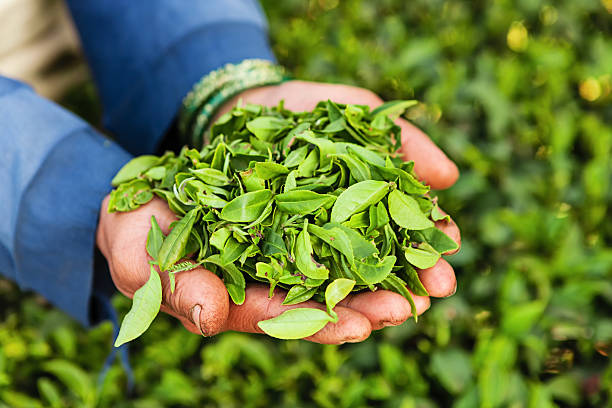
[[201, 301]]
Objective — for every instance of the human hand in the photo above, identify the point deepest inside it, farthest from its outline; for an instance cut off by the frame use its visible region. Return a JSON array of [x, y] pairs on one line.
[[200, 300]]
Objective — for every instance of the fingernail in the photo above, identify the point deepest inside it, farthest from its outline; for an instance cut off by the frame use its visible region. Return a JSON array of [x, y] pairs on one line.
[[195, 318]]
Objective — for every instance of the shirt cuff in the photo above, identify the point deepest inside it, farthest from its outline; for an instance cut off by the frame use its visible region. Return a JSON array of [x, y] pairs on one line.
[[150, 107], [58, 215]]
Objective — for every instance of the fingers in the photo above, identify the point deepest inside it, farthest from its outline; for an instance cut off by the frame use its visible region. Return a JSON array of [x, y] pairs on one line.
[[385, 308], [430, 163], [351, 326], [200, 298], [439, 280]]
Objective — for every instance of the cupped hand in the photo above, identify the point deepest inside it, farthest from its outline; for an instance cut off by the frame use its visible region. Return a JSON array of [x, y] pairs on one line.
[[200, 300]]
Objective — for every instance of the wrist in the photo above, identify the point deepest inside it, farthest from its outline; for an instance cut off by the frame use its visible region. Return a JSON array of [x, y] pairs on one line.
[[262, 95], [202, 103]]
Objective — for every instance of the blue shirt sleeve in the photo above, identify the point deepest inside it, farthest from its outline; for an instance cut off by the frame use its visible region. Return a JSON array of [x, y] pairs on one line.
[[55, 169], [54, 172], [146, 55]]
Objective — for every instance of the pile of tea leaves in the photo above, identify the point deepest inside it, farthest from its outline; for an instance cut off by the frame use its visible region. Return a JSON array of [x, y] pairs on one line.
[[318, 203]]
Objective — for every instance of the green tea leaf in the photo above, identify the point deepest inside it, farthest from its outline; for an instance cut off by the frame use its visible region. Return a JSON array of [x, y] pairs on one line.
[[308, 167], [219, 238], [326, 148], [219, 157], [336, 238], [232, 250], [246, 207], [251, 181], [359, 170], [413, 281], [304, 259], [212, 177], [295, 323], [335, 292], [290, 182], [359, 220], [263, 216], [145, 306], [173, 247], [270, 170], [362, 248], [357, 198], [378, 217], [373, 271], [333, 110], [266, 127], [184, 266], [232, 277], [302, 202], [128, 196], [155, 239], [295, 157], [421, 258], [267, 271], [437, 239], [273, 244], [156, 173], [438, 215], [363, 153], [134, 168], [393, 109], [406, 213], [407, 182], [397, 285], [211, 200], [298, 294]]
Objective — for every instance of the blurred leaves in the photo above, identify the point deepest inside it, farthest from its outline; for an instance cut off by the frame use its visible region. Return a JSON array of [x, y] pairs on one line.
[[519, 94]]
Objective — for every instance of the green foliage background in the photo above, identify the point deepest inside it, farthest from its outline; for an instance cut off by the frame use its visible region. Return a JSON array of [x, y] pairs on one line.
[[518, 93]]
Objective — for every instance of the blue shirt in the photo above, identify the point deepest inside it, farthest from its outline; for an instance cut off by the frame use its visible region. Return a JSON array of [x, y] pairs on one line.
[[55, 169]]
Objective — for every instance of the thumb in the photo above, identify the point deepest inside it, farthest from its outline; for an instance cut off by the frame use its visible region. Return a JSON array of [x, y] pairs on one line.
[[200, 300]]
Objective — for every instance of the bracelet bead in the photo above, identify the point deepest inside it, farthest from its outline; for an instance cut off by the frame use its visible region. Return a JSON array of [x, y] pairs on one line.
[[213, 90]]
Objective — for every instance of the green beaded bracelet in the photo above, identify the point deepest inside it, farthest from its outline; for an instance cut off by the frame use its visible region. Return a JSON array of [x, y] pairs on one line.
[[207, 96]]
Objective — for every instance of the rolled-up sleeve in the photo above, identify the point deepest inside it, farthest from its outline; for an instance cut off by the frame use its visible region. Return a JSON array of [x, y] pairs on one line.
[[54, 172], [145, 56]]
